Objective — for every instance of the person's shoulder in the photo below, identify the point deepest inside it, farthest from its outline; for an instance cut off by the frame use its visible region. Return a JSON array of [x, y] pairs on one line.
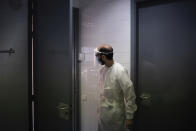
[[120, 68]]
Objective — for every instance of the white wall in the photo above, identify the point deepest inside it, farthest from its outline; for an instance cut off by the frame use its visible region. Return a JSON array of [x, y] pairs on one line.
[[101, 21]]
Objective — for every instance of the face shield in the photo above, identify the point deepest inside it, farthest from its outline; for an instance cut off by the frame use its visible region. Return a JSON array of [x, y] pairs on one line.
[[98, 59], [96, 55]]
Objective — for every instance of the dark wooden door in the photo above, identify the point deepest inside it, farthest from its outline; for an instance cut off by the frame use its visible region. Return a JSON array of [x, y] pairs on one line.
[[166, 66], [53, 65], [15, 67]]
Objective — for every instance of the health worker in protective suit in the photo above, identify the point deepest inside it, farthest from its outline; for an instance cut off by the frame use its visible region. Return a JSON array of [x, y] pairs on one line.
[[116, 91]]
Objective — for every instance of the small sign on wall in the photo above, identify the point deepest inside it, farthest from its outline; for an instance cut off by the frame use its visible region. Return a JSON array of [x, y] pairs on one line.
[[81, 57]]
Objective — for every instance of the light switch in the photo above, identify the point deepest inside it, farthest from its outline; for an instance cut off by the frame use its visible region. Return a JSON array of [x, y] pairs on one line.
[[81, 57]]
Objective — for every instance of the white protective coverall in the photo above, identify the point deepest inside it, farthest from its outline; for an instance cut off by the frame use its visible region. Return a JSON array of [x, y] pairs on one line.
[[117, 98]]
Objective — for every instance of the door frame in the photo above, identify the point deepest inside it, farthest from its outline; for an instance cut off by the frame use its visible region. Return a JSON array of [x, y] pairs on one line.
[[75, 70], [30, 62]]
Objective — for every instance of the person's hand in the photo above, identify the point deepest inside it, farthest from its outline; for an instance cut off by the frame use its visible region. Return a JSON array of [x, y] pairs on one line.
[[129, 124]]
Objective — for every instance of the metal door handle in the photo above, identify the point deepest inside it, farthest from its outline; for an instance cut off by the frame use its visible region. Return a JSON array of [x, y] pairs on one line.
[[64, 111], [145, 96], [64, 108], [10, 51], [145, 99]]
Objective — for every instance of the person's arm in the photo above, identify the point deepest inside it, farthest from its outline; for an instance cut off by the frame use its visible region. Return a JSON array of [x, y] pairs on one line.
[[129, 95]]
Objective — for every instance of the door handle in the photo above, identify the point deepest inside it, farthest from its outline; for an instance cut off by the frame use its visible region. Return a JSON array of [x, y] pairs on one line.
[[146, 99], [62, 108], [64, 111], [10, 51], [145, 96]]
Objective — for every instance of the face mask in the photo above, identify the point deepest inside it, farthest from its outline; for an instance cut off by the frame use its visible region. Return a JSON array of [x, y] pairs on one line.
[[100, 61]]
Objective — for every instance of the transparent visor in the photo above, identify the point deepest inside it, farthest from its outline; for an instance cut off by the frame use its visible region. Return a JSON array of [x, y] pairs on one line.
[[96, 52]]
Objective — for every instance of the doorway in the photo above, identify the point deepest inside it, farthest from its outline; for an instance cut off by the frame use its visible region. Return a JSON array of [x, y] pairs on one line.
[[101, 22]]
